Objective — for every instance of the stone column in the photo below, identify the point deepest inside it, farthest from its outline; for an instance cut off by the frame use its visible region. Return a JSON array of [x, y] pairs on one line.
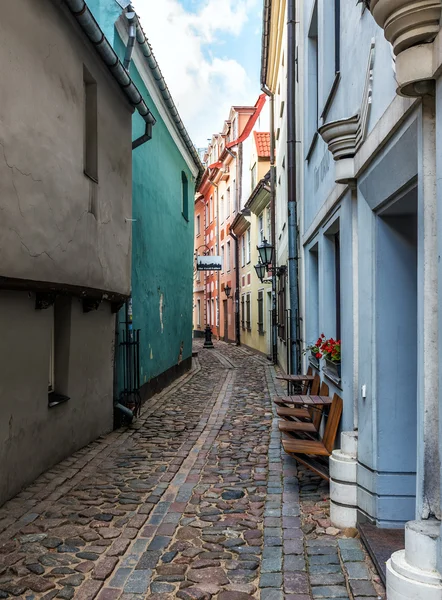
[[412, 573], [343, 486]]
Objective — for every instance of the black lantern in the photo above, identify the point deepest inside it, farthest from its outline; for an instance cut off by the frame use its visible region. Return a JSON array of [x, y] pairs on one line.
[[260, 269], [227, 290], [265, 252]]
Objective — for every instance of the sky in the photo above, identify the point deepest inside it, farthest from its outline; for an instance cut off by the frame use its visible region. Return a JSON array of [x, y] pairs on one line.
[[209, 52]]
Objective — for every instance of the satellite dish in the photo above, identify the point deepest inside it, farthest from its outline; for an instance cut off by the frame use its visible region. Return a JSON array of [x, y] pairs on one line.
[[123, 3]]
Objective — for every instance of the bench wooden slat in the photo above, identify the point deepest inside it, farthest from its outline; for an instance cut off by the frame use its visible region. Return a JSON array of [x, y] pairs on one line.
[[296, 426], [299, 413], [294, 446]]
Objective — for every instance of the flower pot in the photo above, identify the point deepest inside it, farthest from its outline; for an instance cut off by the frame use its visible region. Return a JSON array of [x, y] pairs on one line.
[[313, 360], [333, 368], [407, 23]]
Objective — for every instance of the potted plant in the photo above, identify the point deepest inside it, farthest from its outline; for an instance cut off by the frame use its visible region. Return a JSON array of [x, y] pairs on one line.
[[315, 351], [331, 351]]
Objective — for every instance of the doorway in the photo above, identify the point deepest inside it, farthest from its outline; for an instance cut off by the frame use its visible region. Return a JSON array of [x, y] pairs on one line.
[[226, 321], [396, 356]]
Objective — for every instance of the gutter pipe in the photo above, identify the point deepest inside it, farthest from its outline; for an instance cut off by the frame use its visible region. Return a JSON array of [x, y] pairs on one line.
[[237, 323], [146, 49], [273, 222], [89, 25], [130, 16], [291, 181]]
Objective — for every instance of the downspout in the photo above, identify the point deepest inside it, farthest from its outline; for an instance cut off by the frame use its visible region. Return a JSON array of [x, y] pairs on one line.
[[130, 16], [237, 324], [291, 181], [273, 223]]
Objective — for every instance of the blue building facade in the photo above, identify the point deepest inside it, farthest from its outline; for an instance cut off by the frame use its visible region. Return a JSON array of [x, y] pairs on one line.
[[166, 168], [369, 117]]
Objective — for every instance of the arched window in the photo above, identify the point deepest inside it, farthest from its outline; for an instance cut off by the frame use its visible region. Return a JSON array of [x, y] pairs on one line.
[[184, 196]]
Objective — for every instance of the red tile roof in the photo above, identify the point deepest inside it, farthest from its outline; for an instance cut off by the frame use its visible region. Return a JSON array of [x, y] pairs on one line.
[[262, 141]]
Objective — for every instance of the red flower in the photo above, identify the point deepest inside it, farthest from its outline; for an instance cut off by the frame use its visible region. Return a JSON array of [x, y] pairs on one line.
[[318, 355]]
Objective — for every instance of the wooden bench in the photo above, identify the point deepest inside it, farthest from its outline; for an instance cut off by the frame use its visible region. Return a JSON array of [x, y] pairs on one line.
[[305, 450], [314, 389], [311, 409]]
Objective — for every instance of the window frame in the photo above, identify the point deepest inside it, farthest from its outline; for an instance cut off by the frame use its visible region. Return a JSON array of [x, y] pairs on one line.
[[184, 196], [260, 301]]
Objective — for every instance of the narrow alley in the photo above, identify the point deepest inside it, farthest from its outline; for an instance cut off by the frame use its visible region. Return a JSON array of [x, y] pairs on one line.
[[195, 500]]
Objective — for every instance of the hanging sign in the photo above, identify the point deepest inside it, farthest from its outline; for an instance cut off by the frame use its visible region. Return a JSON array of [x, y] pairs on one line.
[[209, 263]]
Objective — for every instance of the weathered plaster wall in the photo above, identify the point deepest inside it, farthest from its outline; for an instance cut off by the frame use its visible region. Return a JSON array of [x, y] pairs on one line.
[[34, 437], [48, 230], [162, 250]]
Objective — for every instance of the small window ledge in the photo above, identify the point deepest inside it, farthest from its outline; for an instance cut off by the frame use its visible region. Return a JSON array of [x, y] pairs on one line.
[[56, 399]]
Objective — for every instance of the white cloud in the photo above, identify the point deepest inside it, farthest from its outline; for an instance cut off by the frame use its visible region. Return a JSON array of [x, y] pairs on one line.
[[189, 48]]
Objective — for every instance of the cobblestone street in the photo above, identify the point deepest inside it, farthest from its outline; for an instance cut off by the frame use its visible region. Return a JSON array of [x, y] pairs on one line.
[[195, 501]]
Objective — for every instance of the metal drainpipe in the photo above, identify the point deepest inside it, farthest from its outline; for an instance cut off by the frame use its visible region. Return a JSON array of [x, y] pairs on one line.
[[237, 324], [130, 16], [273, 223], [291, 181], [217, 307]]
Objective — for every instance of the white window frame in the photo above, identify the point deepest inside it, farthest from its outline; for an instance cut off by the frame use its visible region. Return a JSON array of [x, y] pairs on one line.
[[248, 246]]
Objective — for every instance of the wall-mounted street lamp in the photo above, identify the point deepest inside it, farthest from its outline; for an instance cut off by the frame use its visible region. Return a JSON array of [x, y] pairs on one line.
[[260, 269], [227, 290], [265, 250]]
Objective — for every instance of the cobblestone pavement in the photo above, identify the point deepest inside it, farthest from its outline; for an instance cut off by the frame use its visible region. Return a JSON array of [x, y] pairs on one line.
[[195, 501]]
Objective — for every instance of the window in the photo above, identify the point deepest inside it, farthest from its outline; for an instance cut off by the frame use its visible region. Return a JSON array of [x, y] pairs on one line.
[[198, 225], [217, 311], [228, 202], [261, 228], [59, 351], [212, 321], [332, 279], [281, 306], [248, 315], [338, 285], [221, 209], [243, 319], [206, 215], [90, 126], [254, 176], [222, 259], [248, 246], [261, 312], [235, 128], [243, 250], [209, 320], [234, 207], [312, 82], [331, 54], [269, 224], [211, 209], [198, 313], [184, 196], [228, 256]]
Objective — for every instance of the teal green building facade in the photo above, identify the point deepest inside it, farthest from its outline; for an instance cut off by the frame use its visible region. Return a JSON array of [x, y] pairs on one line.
[[165, 171]]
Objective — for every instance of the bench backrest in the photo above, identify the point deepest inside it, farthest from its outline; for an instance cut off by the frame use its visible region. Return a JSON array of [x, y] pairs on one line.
[[331, 427], [316, 412]]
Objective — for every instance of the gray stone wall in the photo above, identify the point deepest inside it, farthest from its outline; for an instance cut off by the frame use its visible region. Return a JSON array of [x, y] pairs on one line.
[[33, 437], [56, 224]]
